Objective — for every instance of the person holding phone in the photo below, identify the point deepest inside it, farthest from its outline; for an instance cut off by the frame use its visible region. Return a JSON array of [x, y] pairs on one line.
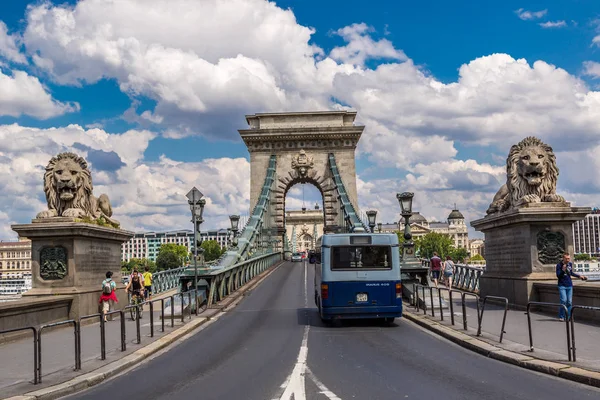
[[564, 272]]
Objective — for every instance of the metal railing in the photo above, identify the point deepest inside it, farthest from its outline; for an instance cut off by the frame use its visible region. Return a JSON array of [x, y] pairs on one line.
[[166, 280], [555, 305], [463, 296], [76, 340], [102, 332], [35, 348], [225, 281], [250, 233], [466, 277], [349, 212], [505, 300], [572, 320]]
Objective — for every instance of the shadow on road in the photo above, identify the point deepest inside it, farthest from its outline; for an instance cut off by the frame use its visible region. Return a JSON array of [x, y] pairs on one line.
[[310, 316]]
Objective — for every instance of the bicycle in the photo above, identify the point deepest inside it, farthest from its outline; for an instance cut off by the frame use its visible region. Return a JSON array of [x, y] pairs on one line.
[[135, 300]]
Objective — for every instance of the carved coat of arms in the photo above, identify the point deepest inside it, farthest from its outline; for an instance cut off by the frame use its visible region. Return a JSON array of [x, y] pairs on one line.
[[53, 263], [302, 163], [550, 246]]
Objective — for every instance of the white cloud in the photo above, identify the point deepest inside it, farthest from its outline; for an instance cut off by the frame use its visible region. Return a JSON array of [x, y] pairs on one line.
[[553, 24], [251, 56], [591, 68], [21, 93], [361, 46], [145, 195], [530, 15], [9, 47], [496, 100], [596, 40]]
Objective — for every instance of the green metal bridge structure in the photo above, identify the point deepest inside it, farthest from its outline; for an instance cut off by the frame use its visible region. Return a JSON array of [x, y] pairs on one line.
[[309, 143]]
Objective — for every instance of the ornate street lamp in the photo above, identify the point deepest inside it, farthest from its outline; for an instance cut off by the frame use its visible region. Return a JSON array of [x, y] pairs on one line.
[[412, 268], [379, 225], [235, 222], [196, 203], [372, 217], [405, 200]]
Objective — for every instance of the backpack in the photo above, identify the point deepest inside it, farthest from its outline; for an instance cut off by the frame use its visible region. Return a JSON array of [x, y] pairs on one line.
[[449, 266], [106, 287]]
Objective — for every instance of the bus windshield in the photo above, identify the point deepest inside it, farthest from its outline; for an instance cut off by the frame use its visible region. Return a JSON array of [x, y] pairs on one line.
[[363, 257]]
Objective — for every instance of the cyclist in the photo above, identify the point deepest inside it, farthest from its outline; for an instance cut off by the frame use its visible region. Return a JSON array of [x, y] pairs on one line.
[[136, 285]]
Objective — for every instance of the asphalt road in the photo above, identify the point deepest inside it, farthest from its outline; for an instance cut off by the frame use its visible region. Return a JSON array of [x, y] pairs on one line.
[[273, 346]]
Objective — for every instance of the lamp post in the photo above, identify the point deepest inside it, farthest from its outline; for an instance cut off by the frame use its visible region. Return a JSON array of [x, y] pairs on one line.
[[379, 225], [405, 200], [196, 203], [372, 217], [411, 267], [235, 222]]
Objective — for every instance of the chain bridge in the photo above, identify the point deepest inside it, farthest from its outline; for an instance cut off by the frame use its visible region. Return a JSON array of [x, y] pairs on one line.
[[258, 335]]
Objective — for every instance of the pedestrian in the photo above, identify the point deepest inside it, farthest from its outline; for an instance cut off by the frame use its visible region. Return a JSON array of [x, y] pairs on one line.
[[108, 294], [448, 271], [564, 272], [147, 275], [435, 266]]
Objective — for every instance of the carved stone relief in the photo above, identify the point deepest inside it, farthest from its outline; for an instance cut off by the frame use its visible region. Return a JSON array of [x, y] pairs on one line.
[[53, 263], [550, 246]]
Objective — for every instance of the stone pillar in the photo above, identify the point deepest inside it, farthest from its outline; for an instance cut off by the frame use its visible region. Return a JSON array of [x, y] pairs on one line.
[[523, 246], [71, 258]]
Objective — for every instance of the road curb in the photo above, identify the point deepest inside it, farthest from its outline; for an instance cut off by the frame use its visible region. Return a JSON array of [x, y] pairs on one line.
[[107, 371], [565, 371]]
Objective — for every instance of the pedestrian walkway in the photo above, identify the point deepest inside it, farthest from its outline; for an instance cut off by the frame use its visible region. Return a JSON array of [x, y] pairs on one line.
[[548, 332], [58, 349]]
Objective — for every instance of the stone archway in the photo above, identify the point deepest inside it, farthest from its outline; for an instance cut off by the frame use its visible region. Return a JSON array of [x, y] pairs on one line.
[[302, 142]]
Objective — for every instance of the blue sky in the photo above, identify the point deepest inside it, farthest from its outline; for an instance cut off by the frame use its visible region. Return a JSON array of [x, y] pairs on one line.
[[437, 36]]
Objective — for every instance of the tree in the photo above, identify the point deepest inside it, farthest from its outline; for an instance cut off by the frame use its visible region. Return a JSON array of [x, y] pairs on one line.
[[459, 254], [582, 257], [139, 263], [212, 250], [434, 242], [477, 257], [171, 255]]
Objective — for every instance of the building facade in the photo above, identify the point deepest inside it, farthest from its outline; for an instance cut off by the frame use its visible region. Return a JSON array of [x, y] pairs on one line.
[[476, 246], [146, 244], [586, 234], [455, 227], [15, 260], [303, 228]]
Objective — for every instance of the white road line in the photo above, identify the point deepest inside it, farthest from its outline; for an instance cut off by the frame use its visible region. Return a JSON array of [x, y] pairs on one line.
[[305, 286], [296, 382], [323, 389]]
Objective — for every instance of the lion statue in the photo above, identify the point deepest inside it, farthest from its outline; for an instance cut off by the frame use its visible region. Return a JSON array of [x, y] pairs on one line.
[[531, 176], [68, 188]]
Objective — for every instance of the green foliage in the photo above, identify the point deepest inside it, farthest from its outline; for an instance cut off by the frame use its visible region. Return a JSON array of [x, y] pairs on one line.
[[459, 254], [401, 240], [582, 257], [140, 264], [477, 257], [212, 250], [171, 255], [434, 242]]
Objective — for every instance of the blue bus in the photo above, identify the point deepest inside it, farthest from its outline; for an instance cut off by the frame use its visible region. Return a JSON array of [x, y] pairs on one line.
[[357, 275]]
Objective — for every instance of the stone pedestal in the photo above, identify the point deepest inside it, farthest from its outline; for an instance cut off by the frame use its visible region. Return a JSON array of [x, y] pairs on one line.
[[71, 259], [523, 246]]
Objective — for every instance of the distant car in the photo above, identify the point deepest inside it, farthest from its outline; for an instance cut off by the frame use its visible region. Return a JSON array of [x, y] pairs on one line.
[[296, 257]]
